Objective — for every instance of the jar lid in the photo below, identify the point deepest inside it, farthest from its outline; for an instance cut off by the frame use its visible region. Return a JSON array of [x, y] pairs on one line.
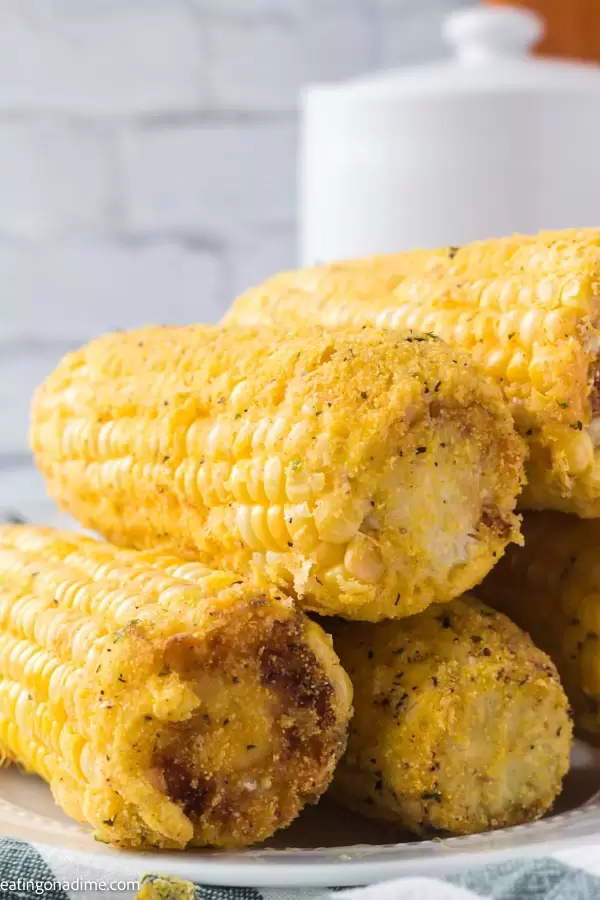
[[491, 53]]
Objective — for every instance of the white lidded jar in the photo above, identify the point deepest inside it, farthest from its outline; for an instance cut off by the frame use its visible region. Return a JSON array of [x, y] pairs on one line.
[[491, 142]]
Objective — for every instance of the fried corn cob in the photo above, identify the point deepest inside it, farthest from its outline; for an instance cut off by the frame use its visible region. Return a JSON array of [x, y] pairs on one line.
[[552, 589], [166, 704], [373, 473], [527, 309], [165, 887], [460, 725]]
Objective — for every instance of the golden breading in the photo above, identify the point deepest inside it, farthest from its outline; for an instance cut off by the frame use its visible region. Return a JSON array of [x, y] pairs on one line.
[[166, 704], [461, 724], [552, 589], [165, 887], [527, 309], [374, 473]]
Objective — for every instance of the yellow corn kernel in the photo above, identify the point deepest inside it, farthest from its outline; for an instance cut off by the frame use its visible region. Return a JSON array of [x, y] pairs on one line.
[[152, 694], [527, 309], [363, 559], [551, 588], [579, 452], [460, 724], [284, 445]]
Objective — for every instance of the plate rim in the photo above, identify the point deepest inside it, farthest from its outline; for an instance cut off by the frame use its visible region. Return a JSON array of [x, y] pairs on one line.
[[245, 872], [29, 813], [353, 865]]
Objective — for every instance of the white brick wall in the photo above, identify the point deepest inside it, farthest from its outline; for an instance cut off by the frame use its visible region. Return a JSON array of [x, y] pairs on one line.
[[258, 65], [56, 178], [98, 57], [209, 179], [254, 254], [148, 160], [76, 290], [412, 35]]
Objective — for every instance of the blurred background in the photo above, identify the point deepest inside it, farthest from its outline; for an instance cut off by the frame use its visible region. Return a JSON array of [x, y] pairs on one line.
[[148, 163]]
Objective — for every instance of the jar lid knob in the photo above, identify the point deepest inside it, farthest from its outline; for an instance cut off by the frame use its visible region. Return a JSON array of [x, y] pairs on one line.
[[479, 33]]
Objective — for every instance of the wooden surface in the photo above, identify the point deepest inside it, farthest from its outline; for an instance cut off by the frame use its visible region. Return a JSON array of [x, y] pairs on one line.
[[573, 26]]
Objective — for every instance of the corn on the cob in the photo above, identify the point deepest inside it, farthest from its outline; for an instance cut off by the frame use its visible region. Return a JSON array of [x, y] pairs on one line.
[[166, 704], [166, 887], [374, 472], [460, 723], [527, 309], [552, 589]]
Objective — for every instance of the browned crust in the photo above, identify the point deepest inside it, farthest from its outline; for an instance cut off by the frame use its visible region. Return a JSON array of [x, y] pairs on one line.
[[292, 669], [595, 389], [308, 735]]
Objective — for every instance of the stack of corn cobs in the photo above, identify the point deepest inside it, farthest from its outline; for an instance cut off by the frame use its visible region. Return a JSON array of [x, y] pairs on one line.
[[352, 442]]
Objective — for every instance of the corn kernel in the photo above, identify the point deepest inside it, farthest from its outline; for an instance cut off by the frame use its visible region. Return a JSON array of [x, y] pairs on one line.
[[304, 428], [517, 369], [579, 452], [363, 559]]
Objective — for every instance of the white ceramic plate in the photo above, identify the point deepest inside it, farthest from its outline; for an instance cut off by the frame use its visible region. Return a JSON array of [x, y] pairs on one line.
[[326, 846]]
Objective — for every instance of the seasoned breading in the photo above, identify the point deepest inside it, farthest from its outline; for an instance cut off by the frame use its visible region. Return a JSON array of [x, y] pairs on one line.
[[552, 589], [461, 724], [166, 704], [165, 887], [372, 472], [525, 308]]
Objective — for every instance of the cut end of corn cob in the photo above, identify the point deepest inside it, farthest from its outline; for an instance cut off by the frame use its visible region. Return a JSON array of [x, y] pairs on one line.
[[551, 587], [166, 704], [370, 472], [527, 309], [461, 725]]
